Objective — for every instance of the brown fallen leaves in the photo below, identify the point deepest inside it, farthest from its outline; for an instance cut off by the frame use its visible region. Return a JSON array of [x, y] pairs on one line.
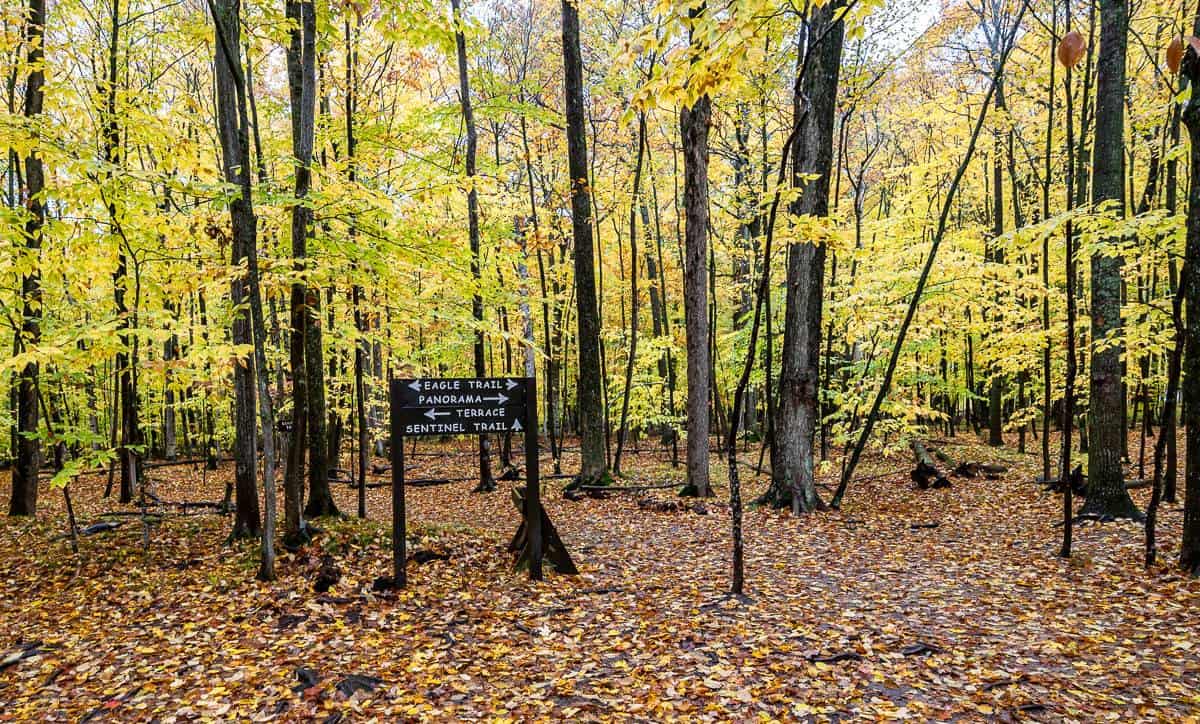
[[851, 614]]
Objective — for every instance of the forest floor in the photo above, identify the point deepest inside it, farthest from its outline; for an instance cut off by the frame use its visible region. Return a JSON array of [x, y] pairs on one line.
[[976, 618]]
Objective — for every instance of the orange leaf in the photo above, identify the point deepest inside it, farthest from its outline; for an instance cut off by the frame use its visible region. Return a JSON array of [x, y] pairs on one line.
[[1175, 54], [1071, 49]]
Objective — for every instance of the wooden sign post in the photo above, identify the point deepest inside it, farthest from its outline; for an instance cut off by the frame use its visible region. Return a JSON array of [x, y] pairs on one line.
[[465, 406]]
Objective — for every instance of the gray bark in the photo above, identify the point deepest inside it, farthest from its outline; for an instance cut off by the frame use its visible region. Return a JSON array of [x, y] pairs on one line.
[[813, 114], [233, 131], [593, 465], [1106, 433], [23, 500]]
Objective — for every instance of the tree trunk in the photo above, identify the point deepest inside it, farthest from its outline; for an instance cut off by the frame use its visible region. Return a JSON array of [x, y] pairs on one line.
[[1106, 433], [1171, 431], [1189, 553], [302, 87], [235, 151], [1068, 406], [694, 125], [28, 449], [126, 400], [320, 500], [486, 481], [1047, 352], [631, 360], [361, 426], [812, 156], [591, 415], [170, 354], [995, 255]]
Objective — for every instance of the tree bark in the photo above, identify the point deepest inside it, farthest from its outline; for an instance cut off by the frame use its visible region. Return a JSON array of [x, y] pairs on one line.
[[1068, 406], [694, 126], [320, 500], [28, 449], [812, 157], [1047, 357], [302, 88], [995, 255], [1106, 433], [631, 360], [1170, 432], [1189, 552], [124, 360], [593, 466], [170, 354], [486, 481], [361, 425], [232, 131]]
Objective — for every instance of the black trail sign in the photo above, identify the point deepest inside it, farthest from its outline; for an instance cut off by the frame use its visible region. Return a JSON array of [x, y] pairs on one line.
[[466, 406], [462, 406]]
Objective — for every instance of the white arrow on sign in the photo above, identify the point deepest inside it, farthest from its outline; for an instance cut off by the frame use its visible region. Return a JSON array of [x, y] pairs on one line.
[[516, 426], [512, 384], [415, 385], [434, 414], [501, 399]]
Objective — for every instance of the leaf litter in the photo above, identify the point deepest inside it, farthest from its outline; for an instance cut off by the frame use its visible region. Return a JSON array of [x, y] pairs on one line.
[[851, 614]]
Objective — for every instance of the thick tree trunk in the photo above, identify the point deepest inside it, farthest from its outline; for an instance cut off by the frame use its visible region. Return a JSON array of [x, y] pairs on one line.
[[125, 360], [486, 481], [588, 398], [320, 500], [694, 125], [321, 425], [302, 86], [995, 255], [236, 157], [1189, 552], [1106, 433], [812, 156], [28, 450]]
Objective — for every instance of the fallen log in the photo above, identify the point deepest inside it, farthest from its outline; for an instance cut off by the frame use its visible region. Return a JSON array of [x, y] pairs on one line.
[[144, 465], [974, 470], [835, 658], [626, 488], [926, 474], [670, 506], [1079, 483], [430, 482]]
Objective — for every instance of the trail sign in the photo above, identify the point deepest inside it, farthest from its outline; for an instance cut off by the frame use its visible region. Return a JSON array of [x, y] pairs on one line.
[[466, 406], [462, 392]]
